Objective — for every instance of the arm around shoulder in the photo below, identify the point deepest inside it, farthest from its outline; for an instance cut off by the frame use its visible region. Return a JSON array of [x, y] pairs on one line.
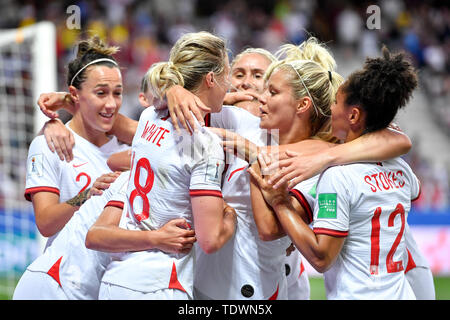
[[371, 147]]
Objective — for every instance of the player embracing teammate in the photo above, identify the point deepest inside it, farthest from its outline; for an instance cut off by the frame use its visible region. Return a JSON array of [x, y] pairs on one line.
[[146, 196]]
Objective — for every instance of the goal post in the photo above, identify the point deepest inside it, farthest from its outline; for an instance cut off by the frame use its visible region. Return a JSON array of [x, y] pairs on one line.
[[27, 69]]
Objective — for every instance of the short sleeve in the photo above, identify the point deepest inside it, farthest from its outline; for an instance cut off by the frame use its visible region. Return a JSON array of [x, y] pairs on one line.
[[332, 204], [117, 192], [43, 169], [235, 119], [305, 193], [228, 118], [412, 179], [415, 186], [208, 165]]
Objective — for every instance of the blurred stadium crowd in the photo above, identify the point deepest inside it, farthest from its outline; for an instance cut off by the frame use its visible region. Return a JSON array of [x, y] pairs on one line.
[[146, 29]]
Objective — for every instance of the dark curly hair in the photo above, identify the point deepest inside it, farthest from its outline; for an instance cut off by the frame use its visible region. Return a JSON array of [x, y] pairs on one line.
[[383, 86], [89, 50]]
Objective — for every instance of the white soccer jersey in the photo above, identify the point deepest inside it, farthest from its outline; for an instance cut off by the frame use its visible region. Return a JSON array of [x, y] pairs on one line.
[[368, 204], [167, 170], [78, 270], [245, 267], [305, 193], [46, 172]]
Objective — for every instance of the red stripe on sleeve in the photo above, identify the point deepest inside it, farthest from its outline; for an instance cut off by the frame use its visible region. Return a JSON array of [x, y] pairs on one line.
[[208, 120], [198, 193], [30, 191], [330, 232], [117, 204], [304, 203]]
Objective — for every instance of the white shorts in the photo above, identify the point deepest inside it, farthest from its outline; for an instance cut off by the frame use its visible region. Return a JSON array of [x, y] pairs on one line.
[[110, 291], [35, 285]]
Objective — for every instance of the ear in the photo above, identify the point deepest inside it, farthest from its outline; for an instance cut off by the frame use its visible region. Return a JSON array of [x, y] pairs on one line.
[[209, 79], [143, 100], [355, 116], [304, 104], [74, 94]]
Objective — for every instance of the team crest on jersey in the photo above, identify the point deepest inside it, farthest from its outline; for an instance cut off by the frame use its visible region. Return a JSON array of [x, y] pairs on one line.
[[214, 170], [327, 206], [35, 165]]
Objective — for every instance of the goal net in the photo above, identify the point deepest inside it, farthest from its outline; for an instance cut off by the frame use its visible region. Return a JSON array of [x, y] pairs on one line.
[[27, 68]]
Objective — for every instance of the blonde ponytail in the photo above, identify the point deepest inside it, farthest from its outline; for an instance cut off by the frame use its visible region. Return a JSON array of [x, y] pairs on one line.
[[191, 58], [161, 76]]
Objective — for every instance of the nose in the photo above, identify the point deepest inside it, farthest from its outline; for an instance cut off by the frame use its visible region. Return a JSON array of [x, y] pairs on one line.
[[263, 97], [246, 83], [111, 103]]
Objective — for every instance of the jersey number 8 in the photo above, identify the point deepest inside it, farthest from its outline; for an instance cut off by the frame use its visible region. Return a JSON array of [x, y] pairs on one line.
[[142, 191]]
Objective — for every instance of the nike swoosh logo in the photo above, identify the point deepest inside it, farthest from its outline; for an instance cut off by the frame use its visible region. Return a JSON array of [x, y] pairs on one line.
[[79, 165], [232, 173]]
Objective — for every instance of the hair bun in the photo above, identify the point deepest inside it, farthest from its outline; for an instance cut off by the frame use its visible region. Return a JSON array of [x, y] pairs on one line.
[[95, 45], [162, 75]]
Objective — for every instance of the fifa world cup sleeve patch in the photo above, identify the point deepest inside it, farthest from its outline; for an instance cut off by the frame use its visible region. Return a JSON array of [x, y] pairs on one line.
[[214, 169], [312, 191], [327, 206], [35, 165]]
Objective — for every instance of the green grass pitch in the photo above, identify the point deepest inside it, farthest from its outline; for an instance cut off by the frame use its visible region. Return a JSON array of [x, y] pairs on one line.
[[442, 286]]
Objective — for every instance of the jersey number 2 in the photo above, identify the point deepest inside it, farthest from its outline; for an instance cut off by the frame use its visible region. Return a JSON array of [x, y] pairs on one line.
[[391, 265], [142, 191], [88, 180]]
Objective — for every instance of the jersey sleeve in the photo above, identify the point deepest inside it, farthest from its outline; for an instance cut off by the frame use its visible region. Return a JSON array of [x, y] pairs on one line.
[[415, 185], [228, 118], [332, 204], [43, 169], [117, 192], [208, 165], [411, 178], [305, 193], [235, 119]]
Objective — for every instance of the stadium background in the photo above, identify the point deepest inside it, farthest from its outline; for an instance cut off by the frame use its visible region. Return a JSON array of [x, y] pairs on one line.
[[145, 31]]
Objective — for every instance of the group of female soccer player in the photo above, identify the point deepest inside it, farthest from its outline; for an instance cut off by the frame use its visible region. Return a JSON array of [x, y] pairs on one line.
[[186, 220]]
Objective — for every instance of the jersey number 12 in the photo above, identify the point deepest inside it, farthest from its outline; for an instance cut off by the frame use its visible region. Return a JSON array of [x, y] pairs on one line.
[[391, 265]]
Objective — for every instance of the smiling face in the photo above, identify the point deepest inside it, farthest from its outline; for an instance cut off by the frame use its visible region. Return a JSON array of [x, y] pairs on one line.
[[248, 72], [100, 97], [278, 108]]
